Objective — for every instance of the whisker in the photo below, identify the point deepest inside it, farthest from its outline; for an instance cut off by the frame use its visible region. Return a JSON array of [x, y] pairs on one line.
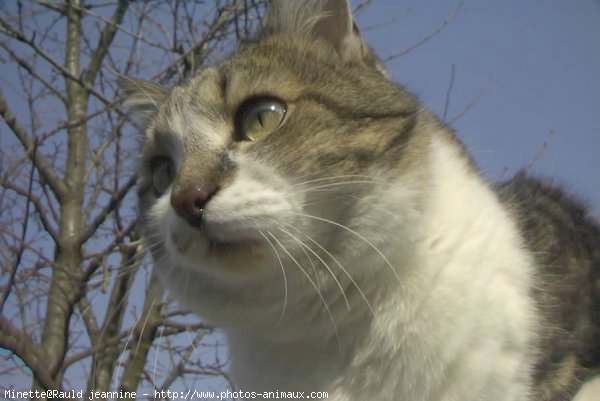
[[303, 245], [116, 308], [157, 352], [150, 247], [311, 281], [192, 342], [385, 259], [337, 262], [185, 282], [341, 198], [285, 284], [334, 184], [380, 208], [120, 360], [332, 178], [310, 260], [144, 325]]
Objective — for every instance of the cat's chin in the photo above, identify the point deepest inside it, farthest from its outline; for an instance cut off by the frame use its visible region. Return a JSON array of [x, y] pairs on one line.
[[237, 253], [201, 252]]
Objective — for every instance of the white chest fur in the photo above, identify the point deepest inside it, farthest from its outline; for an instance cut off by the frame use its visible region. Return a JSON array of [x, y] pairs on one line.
[[457, 326]]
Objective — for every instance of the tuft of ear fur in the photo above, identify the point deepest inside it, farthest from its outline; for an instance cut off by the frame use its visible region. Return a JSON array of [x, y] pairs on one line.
[[330, 20], [141, 99]]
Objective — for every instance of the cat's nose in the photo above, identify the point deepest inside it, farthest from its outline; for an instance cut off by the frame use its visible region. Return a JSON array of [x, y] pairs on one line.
[[189, 204]]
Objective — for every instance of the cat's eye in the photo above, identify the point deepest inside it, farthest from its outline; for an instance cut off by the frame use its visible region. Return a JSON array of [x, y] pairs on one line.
[[162, 173], [259, 117]]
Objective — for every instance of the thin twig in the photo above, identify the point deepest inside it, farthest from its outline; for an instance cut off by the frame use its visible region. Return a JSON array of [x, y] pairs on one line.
[[38, 159], [542, 151], [19, 255], [449, 92], [473, 102], [431, 35]]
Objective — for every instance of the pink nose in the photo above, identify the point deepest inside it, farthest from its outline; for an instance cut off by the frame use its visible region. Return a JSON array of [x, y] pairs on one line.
[[189, 204]]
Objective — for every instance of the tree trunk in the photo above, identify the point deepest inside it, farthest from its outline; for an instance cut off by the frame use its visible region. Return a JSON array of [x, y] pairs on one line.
[[65, 285]]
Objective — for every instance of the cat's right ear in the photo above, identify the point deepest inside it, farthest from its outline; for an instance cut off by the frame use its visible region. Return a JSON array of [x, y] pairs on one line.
[[328, 20], [141, 99]]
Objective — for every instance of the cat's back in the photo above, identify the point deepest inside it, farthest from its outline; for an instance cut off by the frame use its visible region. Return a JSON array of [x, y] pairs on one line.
[[565, 242]]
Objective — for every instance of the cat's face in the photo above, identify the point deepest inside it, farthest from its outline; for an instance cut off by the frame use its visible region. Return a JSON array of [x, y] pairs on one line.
[[277, 158]]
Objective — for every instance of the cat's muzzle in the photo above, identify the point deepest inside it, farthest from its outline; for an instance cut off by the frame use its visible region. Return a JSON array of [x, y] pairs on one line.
[[189, 204]]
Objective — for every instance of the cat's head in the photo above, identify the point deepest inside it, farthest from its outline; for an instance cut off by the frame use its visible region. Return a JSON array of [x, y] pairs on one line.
[[280, 157]]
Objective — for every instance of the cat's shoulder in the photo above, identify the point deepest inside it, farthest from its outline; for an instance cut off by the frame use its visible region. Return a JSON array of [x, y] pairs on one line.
[[564, 239], [546, 210]]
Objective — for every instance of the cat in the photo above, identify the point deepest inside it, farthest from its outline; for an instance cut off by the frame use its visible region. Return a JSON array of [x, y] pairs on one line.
[[343, 237]]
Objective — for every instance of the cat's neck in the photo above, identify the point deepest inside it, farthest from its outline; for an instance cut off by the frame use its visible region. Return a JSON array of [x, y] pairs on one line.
[[438, 254]]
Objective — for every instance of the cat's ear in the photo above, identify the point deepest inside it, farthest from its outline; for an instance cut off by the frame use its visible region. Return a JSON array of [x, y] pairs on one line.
[[141, 99], [330, 20]]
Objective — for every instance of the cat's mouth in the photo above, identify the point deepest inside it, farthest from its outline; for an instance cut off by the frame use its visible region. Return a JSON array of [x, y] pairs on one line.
[[224, 248], [196, 247]]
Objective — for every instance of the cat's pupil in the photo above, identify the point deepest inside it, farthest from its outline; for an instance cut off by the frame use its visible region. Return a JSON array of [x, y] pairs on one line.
[[260, 117]]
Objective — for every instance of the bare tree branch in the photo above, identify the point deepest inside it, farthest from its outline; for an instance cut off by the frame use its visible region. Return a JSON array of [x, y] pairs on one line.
[[106, 38], [32, 354], [36, 202], [19, 254], [39, 160], [21, 37], [27, 67], [109, 208], [224, 16]]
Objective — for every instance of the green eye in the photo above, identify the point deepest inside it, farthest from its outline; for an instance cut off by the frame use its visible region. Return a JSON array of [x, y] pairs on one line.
[[163, 174], [258, 118]]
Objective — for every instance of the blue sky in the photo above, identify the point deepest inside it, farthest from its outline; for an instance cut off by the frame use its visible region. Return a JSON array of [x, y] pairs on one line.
[[537, 63]]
